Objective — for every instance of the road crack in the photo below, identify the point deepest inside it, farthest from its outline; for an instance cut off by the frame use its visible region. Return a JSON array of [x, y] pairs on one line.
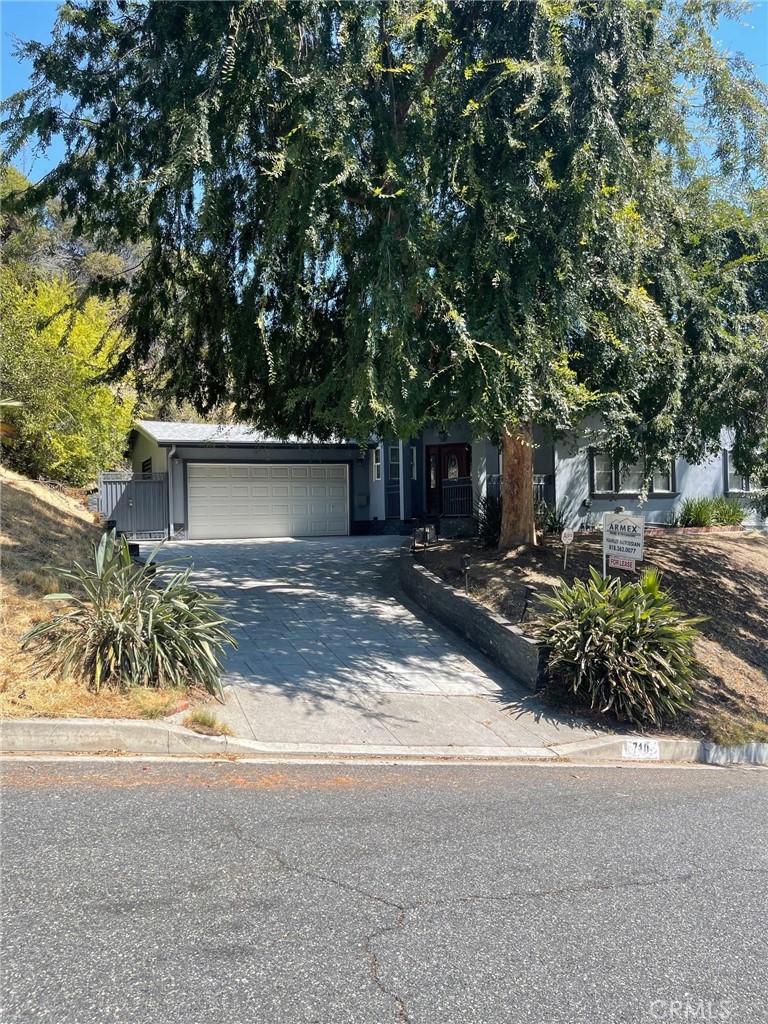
[[401, 910], [401, 1014]]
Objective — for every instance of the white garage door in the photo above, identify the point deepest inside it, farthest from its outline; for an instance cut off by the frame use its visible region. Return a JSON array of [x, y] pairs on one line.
[[267, 501]]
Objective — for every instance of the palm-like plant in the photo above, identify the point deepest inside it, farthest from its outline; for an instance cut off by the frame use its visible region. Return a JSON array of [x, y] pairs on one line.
[[133, 625], [623, 646]]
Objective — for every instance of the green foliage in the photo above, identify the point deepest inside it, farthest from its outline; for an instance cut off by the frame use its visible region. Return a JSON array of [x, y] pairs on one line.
[[711, 511], [497, 211], [729, 511], [759, 502], [622, 647], [488, 513], [550, 518], [133, 625], [696, 512], [52, 353]]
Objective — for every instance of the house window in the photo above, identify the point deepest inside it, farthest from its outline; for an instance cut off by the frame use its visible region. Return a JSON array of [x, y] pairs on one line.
[[414, 468], [662, 479], [146, 466], [602, 464], [609, 477], [735, 480], [394, 462], [377, 463], [631, 478]]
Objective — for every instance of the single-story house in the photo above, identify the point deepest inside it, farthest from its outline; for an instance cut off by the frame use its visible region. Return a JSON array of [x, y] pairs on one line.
[[203, 481], [588, 482], [233, 481]]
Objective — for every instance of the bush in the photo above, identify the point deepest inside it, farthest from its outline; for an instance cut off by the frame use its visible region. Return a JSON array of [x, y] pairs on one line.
[[758, 501], [729, 511], [696, 512], [133, 625], [489, 520], [549, 518], [68, 425], [621, 646], [717, 511]]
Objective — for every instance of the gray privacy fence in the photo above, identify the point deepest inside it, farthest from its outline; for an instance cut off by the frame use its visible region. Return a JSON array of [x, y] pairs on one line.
[[135, 504]]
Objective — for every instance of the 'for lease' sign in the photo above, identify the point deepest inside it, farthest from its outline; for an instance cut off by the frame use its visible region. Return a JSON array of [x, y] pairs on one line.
[[623, 536]]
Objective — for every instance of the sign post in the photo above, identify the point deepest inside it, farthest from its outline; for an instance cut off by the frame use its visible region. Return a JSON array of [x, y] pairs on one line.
[[622, 540], [567, 538]]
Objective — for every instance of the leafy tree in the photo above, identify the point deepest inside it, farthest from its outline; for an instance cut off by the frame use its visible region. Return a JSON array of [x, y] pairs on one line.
[[68, 425], [363, 217]]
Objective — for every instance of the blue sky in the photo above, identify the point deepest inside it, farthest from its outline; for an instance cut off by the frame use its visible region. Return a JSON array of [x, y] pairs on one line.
[[33, 19]]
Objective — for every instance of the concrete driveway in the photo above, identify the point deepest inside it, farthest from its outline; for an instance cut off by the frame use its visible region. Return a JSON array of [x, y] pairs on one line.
[[331, 656]]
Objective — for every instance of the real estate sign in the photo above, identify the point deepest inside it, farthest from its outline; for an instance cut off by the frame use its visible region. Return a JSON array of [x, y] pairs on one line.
[[622, 539]]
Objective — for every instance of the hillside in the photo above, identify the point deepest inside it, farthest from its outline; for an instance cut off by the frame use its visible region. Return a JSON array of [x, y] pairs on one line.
[[721, 576], [42, 526]]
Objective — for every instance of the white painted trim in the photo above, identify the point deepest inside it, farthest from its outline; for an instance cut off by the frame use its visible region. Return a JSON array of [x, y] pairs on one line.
[[402, 483], [169, 462]]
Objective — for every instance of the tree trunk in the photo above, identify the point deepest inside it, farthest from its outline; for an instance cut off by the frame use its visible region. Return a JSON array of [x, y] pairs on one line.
[[518, 526]]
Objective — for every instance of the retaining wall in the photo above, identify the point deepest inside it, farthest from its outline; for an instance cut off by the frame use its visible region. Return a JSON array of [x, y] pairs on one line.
[[506, 645]]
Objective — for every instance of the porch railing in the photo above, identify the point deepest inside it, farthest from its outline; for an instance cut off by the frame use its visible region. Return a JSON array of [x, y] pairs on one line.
[[458, 497], [540, 488], [392, 504]]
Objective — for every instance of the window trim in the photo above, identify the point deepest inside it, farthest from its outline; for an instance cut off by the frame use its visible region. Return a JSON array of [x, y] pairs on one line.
[[746, 482], [394, 450], [377, 463], [617, 491], [414, 464]]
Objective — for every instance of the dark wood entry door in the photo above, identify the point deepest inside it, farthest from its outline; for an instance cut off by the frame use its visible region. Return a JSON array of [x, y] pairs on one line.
[[444, 462]]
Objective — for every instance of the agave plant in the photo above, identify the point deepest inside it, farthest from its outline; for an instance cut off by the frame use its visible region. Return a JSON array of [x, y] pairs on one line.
[[133, 625], [622, 646]]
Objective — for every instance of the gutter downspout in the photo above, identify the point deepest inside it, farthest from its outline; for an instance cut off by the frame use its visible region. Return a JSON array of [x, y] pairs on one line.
[[171, 454]]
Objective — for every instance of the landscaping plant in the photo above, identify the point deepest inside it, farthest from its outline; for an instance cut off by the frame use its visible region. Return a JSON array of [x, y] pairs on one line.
[[550, 518], [133, 625], [621, 646], [488, 515], [728, 511], [711, 511]]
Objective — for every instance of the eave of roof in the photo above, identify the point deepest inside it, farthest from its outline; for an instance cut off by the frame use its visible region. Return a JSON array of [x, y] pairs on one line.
[[168, 433]]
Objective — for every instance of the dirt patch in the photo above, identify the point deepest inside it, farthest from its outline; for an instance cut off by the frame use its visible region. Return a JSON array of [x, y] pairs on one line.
[[45, 526], [723, 576], [123, 775]]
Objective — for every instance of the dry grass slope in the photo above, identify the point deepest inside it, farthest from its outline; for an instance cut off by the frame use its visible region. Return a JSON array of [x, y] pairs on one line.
[[43, 526], [723, 577]]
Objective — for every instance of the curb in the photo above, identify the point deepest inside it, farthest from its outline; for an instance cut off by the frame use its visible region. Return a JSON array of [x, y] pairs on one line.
[[125, 736]]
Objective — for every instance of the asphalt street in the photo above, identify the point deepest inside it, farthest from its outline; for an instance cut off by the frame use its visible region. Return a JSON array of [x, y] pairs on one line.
[[153, 893]]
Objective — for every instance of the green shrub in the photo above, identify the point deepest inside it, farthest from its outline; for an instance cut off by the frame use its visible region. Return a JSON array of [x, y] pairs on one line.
[[549, 518], [488, 515], [697, 512], [705, 511], [621, 646], [729, 511], [133, 625]]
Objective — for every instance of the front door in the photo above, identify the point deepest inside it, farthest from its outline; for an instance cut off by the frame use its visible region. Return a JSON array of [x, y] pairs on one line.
[[444, 462]]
